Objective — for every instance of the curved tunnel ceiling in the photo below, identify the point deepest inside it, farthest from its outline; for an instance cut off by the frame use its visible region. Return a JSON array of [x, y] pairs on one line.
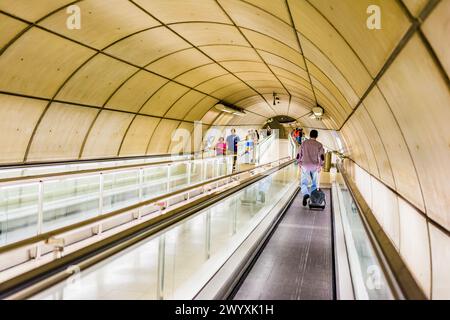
[[138, 70]]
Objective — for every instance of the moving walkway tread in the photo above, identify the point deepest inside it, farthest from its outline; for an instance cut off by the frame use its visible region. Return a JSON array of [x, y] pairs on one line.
[[296, 263]]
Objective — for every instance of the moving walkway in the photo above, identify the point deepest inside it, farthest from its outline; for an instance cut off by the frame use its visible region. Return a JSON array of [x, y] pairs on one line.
[[213, 247]]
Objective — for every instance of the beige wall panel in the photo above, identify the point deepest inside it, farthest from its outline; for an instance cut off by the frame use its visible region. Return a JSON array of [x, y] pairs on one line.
[[138, 136], [437, 31], [298, 108], [278, 8], [403, 170], [296, 89], [252, 102], [61, 133], [171, 11], [162, 137], [133, 94], [314, 27], [181, 108], [161, 101], [147, 46], [102, 22], [239, 95], [414, 244], [255, 76], [301, 78], [39, 55], [94, 83], [328, 68], [358, 152], [10, 27], [276, 85], [209, 116], [179, 62], [381, 157], [312, 123], [210, 33], [271, 45], [198, 112], [373, 47], [420, 100], [332, 116], [319, 76], [347, 138], [230, 53], [18, 119], [302, 99], [325, 137], [106, 134], [440, 251], [239, 66], [182, 139], [341, 112], [217, 83], [201, 74], [228, 90], [21, 8], [261, 108], [223, 119], [250, 119], [415, 6], [330, 104], [365, 147], [297, 67], [248, 16]]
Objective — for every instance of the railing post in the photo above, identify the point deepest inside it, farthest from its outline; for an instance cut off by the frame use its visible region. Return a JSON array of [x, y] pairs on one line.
[[100, 201], [40, 217], [208, 234], [161, 263], [168, 177], [141, 191], [189, 165], [40, 207]]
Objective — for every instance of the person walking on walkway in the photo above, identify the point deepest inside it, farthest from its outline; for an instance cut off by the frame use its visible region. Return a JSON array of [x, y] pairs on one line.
[[310, 160], [232, 145]]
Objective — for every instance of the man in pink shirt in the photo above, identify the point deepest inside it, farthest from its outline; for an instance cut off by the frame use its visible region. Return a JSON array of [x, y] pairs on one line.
[[310, 159]]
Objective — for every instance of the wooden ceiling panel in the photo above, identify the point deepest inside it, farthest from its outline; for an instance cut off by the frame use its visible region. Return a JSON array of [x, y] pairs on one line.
[[201, 74], [251, 17], [172, 11], [135, 92], [39, 55], [102, 22], [96, 81], [210, 33], [145, 47], [178, 62]]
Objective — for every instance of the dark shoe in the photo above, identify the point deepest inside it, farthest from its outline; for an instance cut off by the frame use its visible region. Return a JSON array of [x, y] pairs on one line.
[[305, 199]]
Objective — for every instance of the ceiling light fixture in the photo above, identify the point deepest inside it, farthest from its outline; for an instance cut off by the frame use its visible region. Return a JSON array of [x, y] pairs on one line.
[[230, 109], [276, 99]]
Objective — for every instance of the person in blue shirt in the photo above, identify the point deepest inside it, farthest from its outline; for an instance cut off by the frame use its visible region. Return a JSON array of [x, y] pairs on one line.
[[232, 144]]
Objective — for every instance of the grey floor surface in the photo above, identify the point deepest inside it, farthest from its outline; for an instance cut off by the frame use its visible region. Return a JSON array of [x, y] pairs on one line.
[[296, 263]]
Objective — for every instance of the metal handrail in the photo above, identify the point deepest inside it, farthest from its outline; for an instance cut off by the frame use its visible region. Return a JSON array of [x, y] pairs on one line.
[[44, 237], [31, 282], [58, 175]]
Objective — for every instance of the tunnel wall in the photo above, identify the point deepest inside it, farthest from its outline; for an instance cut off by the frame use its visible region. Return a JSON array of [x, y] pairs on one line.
[[398, 143]]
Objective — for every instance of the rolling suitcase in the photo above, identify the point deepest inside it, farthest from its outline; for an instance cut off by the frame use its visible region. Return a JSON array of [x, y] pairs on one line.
[[317, 199]]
